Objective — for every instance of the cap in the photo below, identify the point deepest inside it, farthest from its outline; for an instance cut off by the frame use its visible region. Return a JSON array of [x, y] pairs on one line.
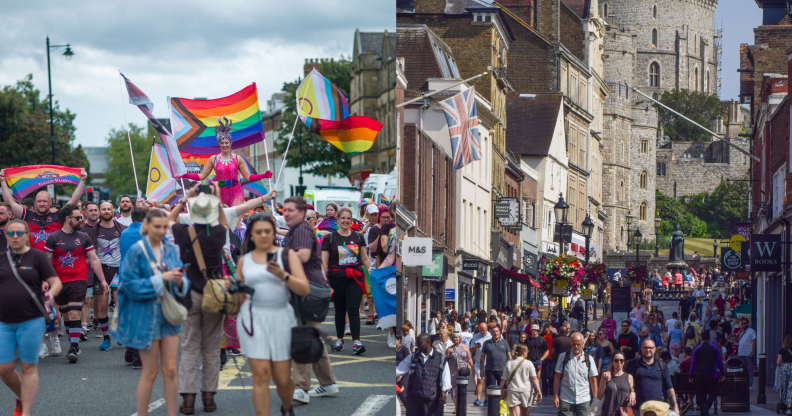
[[372, 209], [688, 351], [535, 327], [656, 407]]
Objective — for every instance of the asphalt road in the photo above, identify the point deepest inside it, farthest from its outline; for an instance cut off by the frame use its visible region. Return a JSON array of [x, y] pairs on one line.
[[100, 384]]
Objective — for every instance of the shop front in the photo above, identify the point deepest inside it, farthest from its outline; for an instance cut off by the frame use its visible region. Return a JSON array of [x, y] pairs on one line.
[[504, 291], [433, 285]]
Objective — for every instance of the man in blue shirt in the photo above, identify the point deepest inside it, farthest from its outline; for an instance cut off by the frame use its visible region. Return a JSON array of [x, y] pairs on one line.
[[128, 238], [650, 379]]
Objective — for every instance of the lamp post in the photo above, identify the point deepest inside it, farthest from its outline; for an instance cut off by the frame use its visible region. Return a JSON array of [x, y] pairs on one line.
[[561, 210], [629, 219], [637, 238], [68, 54], [588, 228], [657, 237], [714, 248]]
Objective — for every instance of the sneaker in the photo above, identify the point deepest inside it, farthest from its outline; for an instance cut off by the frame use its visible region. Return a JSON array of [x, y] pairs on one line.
[[128, 362], [106, 345], [358, 348], [234, 351], [99, 333], [391, 341], [362, 314], [289, 412], [347, 331], [84, 334], [324, 390], [137, 365], [477, 402], [72, 355], [339, 345], [43, 351], [56, 348], [485, 403], [301, 396], [18, 408]]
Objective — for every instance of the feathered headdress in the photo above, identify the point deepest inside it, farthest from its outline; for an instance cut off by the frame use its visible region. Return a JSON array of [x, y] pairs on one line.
[[223, 130]]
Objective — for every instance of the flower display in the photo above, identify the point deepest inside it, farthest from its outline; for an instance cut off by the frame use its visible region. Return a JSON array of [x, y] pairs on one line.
[[570, 268], [637, 273]]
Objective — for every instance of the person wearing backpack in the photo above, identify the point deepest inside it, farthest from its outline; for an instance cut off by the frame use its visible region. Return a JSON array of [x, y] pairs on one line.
[[575, 380], [651, 377], [430, 379], [692, 332]]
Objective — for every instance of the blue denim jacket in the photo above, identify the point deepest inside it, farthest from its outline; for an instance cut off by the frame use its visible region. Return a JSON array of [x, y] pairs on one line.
[[138, 291]]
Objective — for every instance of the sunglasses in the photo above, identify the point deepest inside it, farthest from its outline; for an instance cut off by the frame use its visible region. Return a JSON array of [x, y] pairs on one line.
[[77, 217], [260, 216], [618, 361], [16, 233]]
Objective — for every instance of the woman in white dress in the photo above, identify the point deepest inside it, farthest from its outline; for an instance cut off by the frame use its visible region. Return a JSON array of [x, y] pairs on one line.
[[267, 317]]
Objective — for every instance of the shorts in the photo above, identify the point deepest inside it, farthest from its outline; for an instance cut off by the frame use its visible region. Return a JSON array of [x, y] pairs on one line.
[[675, 348], [72, 295], [493, 377], [25, 336], [109, 272]]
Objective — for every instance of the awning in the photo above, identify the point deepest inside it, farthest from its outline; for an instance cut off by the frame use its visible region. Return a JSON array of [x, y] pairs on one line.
[[522, 278]]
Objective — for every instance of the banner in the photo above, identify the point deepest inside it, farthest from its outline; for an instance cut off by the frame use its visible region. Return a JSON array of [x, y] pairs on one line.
[[766, 252], [383, 288], [25, 179], [731, 261]]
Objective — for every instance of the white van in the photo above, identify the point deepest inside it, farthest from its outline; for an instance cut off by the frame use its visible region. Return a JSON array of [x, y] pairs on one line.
[[374, 187], [343, 196], [390, 186]]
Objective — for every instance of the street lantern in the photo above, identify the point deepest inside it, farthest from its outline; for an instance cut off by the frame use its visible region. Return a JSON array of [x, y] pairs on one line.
[[588, 226], [637, 237], [657, 236], [629, 218], [561, 209], [68, 54]]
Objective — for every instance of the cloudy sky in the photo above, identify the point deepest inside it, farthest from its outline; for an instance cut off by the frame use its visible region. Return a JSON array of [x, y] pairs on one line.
[[194, 48], [738, 18]]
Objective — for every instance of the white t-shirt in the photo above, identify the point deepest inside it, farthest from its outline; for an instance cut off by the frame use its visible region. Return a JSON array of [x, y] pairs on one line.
[[670, 324], [125, 221], [465, 337], [746, 342]]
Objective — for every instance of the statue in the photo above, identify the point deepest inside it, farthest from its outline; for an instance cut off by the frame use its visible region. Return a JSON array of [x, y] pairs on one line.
[[677, 252]]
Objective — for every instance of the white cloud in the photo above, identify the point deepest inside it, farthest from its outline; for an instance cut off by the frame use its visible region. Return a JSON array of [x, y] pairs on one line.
[[177, 48]]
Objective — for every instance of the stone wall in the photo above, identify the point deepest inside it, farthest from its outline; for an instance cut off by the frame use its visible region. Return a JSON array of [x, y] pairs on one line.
[[643, 154], [701, 172], [616, 184]]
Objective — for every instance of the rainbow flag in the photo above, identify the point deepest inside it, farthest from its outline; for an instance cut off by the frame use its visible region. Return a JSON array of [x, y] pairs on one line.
[[25, 179], [353, 135], [193, 121], [195, 164]]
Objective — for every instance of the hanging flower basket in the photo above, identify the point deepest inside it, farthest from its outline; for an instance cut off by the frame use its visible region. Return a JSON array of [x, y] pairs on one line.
[[636, 274], [570, 268]]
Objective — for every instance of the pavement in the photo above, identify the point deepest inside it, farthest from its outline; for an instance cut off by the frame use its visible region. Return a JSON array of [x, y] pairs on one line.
[[100, 384]]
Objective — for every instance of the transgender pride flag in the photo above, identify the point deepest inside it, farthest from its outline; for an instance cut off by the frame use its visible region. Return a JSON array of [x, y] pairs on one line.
[[462, 118]]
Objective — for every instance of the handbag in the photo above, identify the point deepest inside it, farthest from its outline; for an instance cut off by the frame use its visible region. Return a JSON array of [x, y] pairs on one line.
[[306, 341], [216, 298], [316, 305], [174, 312], [47, 317]]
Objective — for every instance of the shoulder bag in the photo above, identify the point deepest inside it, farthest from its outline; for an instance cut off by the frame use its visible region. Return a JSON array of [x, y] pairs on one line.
[[216, 298], [47, 317], [174, 312], [306, 341], [316, 305]]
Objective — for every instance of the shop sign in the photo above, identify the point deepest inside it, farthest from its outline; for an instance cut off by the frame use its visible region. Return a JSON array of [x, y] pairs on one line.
[[562, 231], [470, 264], [417, 251], [586, 295], [450, 295], [436, 270], [731, 261], [529, 261], [766, 252], [502, 210]]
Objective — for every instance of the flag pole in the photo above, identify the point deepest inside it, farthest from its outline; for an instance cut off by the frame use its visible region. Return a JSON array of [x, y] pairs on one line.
[[296, 119], [129, 136]]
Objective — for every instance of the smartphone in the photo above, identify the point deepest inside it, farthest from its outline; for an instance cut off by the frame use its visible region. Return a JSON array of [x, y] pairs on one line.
[[270, 257], [204, 189]]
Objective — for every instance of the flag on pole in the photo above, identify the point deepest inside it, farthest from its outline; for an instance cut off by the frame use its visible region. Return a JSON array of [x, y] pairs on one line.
[[161, 184], [318, 98], [462, 119], [142, 101]]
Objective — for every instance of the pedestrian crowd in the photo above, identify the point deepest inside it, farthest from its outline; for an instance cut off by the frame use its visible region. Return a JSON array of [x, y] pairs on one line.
[[163, 279]]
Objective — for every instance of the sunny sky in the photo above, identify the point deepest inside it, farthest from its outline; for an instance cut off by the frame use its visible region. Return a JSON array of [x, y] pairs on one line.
[[173, 48], [738, 18]]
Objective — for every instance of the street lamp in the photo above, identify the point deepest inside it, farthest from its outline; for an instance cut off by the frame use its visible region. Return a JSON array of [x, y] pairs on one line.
[[588, 228], [714, 248], [561, 210], [637, 238], [68, 54], [629, 219], [657, 237]]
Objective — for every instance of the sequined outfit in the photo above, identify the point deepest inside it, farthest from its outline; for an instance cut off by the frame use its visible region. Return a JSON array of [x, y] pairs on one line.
[[227, 170]]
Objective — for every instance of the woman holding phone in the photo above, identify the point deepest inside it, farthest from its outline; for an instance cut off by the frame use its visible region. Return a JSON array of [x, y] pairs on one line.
[[343, 257], [151, 267], [266, 318]]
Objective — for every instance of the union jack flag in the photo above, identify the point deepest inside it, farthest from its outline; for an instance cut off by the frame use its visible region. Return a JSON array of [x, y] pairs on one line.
[[462, 118]]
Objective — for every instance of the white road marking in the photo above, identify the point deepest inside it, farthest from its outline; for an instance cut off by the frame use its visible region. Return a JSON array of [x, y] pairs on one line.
[[373, 404], [155, 404]]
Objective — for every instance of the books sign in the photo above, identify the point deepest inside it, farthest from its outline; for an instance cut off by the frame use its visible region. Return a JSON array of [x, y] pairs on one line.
[[766, 252]]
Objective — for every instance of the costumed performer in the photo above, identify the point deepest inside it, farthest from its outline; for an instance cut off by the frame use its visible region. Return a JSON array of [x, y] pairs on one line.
[[227, 167]]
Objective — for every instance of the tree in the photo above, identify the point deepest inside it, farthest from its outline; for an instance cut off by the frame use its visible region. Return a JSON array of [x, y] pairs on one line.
[[318, 156], [722, 210], [119, 165], [25, 129], [696, 105]]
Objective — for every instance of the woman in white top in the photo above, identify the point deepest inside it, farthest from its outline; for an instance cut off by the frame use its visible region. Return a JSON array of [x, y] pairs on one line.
[[442, 344], [267, 317], [520, 382]]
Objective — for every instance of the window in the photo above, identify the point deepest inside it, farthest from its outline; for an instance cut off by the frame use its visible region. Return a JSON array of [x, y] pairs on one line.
[[644, 178], [571, 134], [642, 212], [654, 74], [654, 12], [706, 83], [664, 169], [658, 168], [552, 174], [655, 96], [695, 81], [605, 11], [621, 191], [442, 60], [644, 146], [654, 37]]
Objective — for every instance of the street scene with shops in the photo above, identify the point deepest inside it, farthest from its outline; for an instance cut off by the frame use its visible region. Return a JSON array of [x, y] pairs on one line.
[[592, 212]]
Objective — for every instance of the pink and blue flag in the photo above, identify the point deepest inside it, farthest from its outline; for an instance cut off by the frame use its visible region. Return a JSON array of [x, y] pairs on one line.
[[462, 119]]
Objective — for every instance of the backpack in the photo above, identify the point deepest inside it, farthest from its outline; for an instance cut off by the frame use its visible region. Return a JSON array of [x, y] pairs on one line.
[[690, 332], [566, 360]]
